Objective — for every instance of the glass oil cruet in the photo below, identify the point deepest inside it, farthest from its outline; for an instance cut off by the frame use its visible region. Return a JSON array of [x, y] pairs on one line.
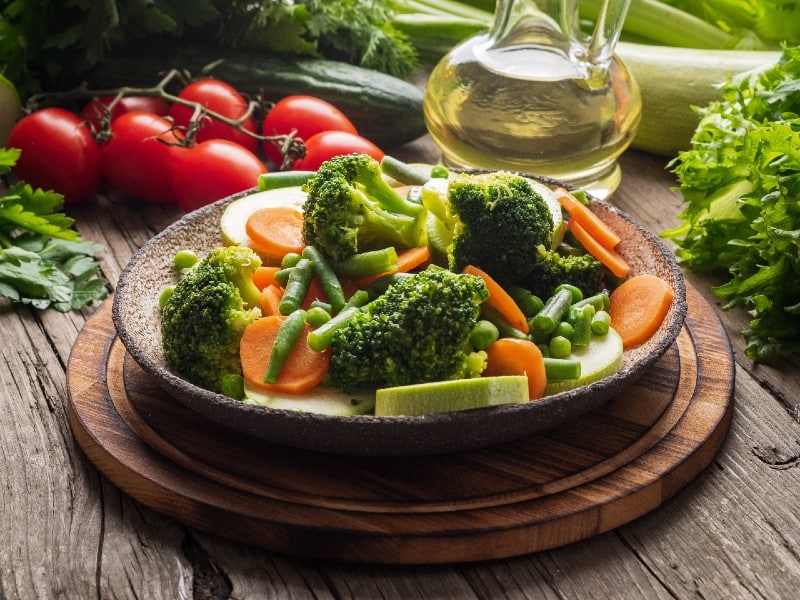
[[536, 94]]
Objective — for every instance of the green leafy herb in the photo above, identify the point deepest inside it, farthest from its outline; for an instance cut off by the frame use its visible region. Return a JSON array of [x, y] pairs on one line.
[[46, 45], [741, 183], [43, 261]]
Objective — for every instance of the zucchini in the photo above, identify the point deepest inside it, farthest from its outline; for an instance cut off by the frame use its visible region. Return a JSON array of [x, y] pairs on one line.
[[673, 80], [385, 109]]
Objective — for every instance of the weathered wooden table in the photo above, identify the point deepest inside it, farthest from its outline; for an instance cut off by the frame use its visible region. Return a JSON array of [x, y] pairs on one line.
[[67, 532]]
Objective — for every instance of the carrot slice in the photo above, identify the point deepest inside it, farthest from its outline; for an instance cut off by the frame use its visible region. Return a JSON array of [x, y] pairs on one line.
[[264, 276], [512, 356], [608, 256], [270, 300], [638, 307], [604, 235], [275, 231], [407, 259], [303, 370], [500, 300]]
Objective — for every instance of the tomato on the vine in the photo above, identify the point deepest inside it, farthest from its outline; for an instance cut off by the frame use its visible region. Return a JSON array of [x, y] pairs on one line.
[[221, 98], [59, 153], [97, 108], [212, 170], [306, 115], [327, 144], [138, 159]]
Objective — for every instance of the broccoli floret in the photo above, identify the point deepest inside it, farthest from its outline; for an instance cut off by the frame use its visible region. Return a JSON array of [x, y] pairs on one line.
[[417, 331], [350, 208], [551, 269], [203, 320], [495, 221]]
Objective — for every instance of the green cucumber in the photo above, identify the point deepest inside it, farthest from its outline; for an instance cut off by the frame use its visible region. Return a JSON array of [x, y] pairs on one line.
[[385, 109], [446, 396], [673, 80], [601, 358], [322, 400]]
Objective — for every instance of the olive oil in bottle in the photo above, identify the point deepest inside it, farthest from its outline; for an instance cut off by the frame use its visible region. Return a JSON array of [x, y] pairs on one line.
[[533, 103]]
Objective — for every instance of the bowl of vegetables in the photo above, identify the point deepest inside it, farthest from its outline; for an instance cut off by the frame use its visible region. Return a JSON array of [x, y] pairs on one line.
[[381, 310]]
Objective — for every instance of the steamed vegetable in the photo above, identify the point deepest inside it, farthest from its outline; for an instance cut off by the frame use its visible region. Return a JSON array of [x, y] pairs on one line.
[[350, 208], [203, 320], [494, 221], [417, 331]]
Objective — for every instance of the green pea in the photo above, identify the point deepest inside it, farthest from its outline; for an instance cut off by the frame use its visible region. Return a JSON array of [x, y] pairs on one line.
[[483, 334], [165, 295], [185, 259], [564, 329], [560, 347]]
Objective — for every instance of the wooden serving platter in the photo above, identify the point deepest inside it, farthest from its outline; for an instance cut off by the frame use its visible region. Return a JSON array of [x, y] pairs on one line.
[[583, 478]]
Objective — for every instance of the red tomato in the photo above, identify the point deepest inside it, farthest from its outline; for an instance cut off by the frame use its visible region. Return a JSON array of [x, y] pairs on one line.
[[58, 153], [212, 170], [307, 115], [138, 159], [327, 144], [96, 108], [223, 99]]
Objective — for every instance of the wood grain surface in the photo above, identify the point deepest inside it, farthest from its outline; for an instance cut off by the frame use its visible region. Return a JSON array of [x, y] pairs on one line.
[[66, 531], [542, 491]]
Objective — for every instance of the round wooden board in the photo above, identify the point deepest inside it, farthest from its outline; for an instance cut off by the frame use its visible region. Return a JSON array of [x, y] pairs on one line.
[[559, 486]]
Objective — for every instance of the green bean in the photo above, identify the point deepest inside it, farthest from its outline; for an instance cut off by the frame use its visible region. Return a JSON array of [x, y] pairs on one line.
[[601, 322], [367, 263], [577, 294], [553, 312], [506, 329], [483, 334], [281, 179], [290, 260], [328, 279], [323, 305], [403, 172], [321, 337], [560, 346], [317, 316], [358, 299], [297, 287], [282, 276], [287, 337], [528, 303], [185, 259], [583, 327], [560, 368], [600, 301]]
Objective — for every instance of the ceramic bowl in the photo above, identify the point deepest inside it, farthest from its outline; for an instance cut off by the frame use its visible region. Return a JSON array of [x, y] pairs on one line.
[[136, 318]]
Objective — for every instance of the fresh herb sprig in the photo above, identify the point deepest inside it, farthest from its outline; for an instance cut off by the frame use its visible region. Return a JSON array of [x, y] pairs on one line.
[[46, 45], [44, 262], [741, 182]]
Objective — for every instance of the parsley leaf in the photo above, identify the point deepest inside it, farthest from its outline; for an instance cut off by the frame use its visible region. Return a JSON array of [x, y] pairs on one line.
[[43, 261], [741, 183]]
